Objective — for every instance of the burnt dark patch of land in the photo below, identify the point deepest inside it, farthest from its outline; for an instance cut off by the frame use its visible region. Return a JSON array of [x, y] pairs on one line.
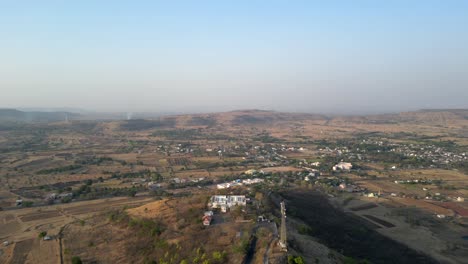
[[379, 221], [346, 233], [364, 207]]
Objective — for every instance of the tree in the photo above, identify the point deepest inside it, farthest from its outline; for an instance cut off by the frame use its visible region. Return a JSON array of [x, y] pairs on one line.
[[76, 260], [42, 234]]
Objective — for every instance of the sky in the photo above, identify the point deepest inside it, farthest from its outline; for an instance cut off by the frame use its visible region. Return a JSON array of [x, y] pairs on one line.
[[200, 56]]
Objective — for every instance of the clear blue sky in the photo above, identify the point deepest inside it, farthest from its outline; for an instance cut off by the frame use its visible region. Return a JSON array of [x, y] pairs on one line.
[[315, 56]]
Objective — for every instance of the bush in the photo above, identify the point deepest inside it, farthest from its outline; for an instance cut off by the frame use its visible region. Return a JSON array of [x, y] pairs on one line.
[[295, 260], [242, 247], [42, 234], [28, 204], [219, 257], [76, 260], [305, 230]]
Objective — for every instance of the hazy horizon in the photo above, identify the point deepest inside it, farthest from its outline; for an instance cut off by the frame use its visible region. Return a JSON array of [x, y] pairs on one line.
[[208, 56]]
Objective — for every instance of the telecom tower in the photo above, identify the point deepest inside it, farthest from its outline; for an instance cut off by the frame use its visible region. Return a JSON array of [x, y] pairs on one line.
[[283, 240]]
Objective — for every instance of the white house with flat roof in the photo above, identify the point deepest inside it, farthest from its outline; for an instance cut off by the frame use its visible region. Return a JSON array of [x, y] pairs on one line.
[[227, 201], [344, 166]]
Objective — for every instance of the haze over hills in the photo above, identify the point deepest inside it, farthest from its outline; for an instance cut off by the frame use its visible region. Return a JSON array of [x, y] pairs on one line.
[[238, 117]]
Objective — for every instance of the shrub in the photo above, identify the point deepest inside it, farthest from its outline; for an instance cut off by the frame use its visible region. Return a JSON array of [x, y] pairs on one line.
[[28, 204], [242, 247], [219, 257], [295, 260], [76, 260], [42, 234]]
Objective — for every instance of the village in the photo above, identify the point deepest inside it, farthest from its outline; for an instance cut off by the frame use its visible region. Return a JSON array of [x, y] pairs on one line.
[[230, 183]]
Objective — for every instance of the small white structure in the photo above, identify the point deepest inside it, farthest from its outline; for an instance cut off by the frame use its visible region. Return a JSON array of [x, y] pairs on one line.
[[64, 195], [153, 185], [252, 181], [177, 180], [250, 172], [225, 185], [460, 199], [344, 166], [207, 218]]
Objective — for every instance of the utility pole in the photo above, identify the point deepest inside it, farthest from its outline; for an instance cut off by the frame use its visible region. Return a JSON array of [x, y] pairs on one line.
[[283, 239]]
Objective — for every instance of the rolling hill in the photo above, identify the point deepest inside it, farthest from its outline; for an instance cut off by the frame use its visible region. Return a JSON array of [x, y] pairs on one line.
[[13, 115]]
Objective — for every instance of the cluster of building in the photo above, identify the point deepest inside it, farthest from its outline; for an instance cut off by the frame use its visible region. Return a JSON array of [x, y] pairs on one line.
[[364, 150], [238, 182], [55, 196], [437, 155], [225, 202]]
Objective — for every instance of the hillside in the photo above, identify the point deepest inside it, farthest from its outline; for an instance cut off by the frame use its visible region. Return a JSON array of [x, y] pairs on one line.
[[233, 118], [268, 118], [13, 115]]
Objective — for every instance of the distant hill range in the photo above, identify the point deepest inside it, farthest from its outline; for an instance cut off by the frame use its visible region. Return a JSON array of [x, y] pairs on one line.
[[238, 118], [13, 115], [258, 117], [434, 116], [261, 118]]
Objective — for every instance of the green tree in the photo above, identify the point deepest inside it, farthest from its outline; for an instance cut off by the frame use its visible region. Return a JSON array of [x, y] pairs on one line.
[[42, 234], [76, 260]]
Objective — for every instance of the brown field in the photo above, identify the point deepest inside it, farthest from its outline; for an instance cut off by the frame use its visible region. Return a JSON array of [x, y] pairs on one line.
[[22, 226], [182, 228], [429, 206], [280, 169]]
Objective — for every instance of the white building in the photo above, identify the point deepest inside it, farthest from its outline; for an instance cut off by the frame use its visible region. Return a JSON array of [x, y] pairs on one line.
[[315, 164], [250, 172], [225, 185], [344, 166], [227, 201], [252, 181], [153, 185]]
